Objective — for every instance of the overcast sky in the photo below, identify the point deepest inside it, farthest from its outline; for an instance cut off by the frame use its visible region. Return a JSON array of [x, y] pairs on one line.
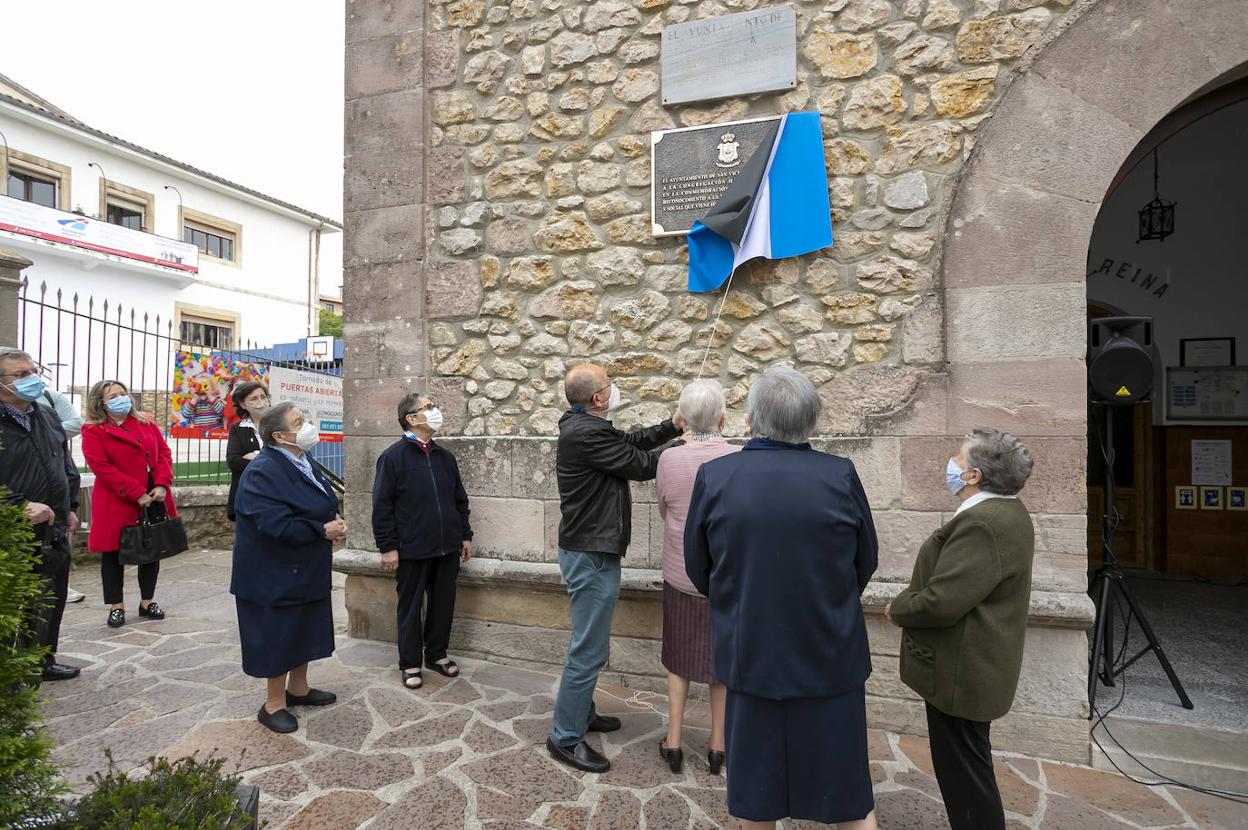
[[247, 89]]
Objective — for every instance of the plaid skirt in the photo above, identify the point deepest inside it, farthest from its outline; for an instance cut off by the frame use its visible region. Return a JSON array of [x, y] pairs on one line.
[[687, 635]]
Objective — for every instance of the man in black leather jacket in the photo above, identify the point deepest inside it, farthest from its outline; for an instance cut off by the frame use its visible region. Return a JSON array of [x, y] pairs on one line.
[[595, 461], [38, 473]]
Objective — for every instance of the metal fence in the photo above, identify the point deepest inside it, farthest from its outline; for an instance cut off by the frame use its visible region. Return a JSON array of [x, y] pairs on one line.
[[81, 341]]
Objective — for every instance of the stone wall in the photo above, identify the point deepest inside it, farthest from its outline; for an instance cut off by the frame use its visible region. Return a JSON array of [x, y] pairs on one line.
[[497, 232]]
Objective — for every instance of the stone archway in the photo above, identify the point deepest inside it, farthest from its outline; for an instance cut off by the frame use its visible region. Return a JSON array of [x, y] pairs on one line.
[[1016, 239]]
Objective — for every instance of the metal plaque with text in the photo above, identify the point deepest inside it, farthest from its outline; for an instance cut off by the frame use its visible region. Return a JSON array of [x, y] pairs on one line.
[[690, 168], [736, 54]]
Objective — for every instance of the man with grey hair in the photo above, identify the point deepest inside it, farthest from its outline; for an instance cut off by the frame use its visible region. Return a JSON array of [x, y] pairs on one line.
[[779, 537], [964, 617], [38, 473]]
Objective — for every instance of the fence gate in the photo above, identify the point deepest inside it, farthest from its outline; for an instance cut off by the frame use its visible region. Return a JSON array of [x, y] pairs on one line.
[[184, 385]]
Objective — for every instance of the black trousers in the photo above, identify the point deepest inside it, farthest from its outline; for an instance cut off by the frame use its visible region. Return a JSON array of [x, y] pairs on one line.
[[962, 759], [433, 582], [112, 576], [45, 623]]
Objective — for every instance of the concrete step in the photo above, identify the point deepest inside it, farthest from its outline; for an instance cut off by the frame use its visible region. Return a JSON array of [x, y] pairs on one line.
[[1210, 758]]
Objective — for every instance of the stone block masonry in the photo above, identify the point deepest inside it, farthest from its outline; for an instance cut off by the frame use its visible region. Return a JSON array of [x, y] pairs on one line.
[[498, 232]]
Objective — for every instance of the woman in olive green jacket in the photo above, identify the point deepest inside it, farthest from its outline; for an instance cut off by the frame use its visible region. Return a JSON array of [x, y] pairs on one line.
[[963, 619]]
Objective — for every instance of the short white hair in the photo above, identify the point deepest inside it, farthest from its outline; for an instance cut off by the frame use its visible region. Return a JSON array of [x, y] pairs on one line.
[[702, 404], [783, 406], [1004, 461]]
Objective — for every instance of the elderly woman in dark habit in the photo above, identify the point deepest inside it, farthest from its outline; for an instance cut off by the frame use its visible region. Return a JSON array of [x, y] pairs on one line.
[[286, 523], [963, 618], [780, 539]]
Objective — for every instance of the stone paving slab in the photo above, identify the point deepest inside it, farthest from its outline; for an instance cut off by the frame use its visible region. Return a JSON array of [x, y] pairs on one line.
[[467, 753]]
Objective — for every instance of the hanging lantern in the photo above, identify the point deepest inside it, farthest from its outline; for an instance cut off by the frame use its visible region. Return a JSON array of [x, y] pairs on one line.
[[1157, 217]]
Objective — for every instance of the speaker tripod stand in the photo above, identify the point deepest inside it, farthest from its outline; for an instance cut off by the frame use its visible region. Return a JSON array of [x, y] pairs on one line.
[[1109, 587]]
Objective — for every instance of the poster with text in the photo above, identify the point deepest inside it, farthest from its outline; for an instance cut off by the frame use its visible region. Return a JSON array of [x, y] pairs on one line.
[[317, 395], [200, 406]]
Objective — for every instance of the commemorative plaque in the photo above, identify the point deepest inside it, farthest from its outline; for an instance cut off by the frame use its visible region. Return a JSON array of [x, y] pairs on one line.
[[692, 167], [736, 54]]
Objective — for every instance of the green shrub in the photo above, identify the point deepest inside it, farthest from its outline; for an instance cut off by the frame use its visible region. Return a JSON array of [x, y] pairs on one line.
[[189, 794], [29, 783]]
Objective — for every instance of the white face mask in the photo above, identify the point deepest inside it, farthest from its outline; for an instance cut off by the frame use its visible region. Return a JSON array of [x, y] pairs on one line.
[[433, 419], [613, 403], [307, 437]]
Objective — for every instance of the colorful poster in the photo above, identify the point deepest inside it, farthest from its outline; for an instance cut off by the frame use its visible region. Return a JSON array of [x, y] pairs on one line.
[[318, 396], [201, 406]]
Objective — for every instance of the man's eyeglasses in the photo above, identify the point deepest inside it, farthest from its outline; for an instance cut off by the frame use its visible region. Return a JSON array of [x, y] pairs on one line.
[[19, 375]]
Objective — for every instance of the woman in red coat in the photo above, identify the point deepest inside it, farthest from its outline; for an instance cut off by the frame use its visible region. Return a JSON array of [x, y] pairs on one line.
[[133, 468]]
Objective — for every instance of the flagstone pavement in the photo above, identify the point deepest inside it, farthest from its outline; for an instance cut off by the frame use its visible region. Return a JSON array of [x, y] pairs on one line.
[[467, 753]]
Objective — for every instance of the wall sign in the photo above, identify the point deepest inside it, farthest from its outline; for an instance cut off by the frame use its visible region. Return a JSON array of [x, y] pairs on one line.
[[1125, 271], [1208, 394], [736, 54], [691, 167], [1211, 463], [1207, 351]]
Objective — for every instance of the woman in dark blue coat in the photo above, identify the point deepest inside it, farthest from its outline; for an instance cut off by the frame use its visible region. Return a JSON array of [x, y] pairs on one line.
[[287, 521], [780, 539]]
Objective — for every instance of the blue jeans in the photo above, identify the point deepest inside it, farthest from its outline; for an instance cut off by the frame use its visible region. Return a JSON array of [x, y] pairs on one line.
[[593, 580]]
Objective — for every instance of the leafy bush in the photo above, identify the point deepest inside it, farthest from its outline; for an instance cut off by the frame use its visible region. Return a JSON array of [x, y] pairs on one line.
[[189, 794], [331, 323], [29, 783]]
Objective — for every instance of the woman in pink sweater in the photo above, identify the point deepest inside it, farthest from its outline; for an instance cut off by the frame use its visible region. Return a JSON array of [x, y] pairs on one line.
[[686, 614]]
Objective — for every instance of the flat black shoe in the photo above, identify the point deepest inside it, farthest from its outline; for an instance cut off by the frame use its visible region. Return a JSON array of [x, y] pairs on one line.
[[279, 721], [444, 669], [412, 679], [582, 756], [314, 697], [153, 610], [117, 618], [60, 671], [716, 761], [603, 723], [675, 758]]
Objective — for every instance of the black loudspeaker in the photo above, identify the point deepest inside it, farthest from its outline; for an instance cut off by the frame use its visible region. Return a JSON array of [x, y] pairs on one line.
[[1120, 359]]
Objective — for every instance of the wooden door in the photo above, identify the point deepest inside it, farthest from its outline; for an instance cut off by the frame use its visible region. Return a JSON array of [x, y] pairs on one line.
[[1133, 484]]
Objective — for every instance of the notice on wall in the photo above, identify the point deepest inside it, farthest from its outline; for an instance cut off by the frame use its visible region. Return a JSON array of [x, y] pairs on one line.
[[734, 54], [1211, 463], [318, 396]]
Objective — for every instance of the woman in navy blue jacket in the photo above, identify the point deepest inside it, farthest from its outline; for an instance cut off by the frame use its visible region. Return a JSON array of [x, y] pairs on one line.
[[420, 524], [286, 523], [780, 539]]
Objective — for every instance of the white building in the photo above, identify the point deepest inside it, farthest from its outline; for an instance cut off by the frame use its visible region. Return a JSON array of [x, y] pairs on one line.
[[102, 217]]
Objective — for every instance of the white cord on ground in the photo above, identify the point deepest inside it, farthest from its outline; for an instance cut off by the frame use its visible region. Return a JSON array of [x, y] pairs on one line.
[[639, 700]]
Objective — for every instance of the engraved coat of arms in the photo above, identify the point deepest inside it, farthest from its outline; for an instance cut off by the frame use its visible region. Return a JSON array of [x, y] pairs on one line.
[[729, 151]]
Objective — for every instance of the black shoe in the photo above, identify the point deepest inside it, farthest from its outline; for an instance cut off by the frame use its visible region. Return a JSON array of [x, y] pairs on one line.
[[675, 758], [279, 721], [153, 610], [582, 756], [60, 671], [117, 618], [603, 723], [716, 761], [314, 697]]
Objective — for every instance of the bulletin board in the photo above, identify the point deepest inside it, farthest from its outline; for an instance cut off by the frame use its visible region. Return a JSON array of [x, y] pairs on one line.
[[1207, 393]]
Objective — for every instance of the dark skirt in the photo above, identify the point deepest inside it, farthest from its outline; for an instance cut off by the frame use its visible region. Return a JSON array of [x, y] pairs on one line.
[[687, 635], [801, 759], [276, 640]]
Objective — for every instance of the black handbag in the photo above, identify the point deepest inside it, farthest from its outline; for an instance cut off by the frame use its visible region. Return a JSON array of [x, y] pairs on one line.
[[157, 536]]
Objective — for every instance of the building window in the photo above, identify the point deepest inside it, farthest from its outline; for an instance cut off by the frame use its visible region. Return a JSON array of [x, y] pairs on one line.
[[214, 237], [31, 188], [127, 206], [36, 180], [332, 308], [127, 217], [198, 332]]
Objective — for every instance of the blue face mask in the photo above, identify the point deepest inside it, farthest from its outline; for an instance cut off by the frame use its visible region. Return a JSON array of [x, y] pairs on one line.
[[29, 388], [120, 405], [953, 477]]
